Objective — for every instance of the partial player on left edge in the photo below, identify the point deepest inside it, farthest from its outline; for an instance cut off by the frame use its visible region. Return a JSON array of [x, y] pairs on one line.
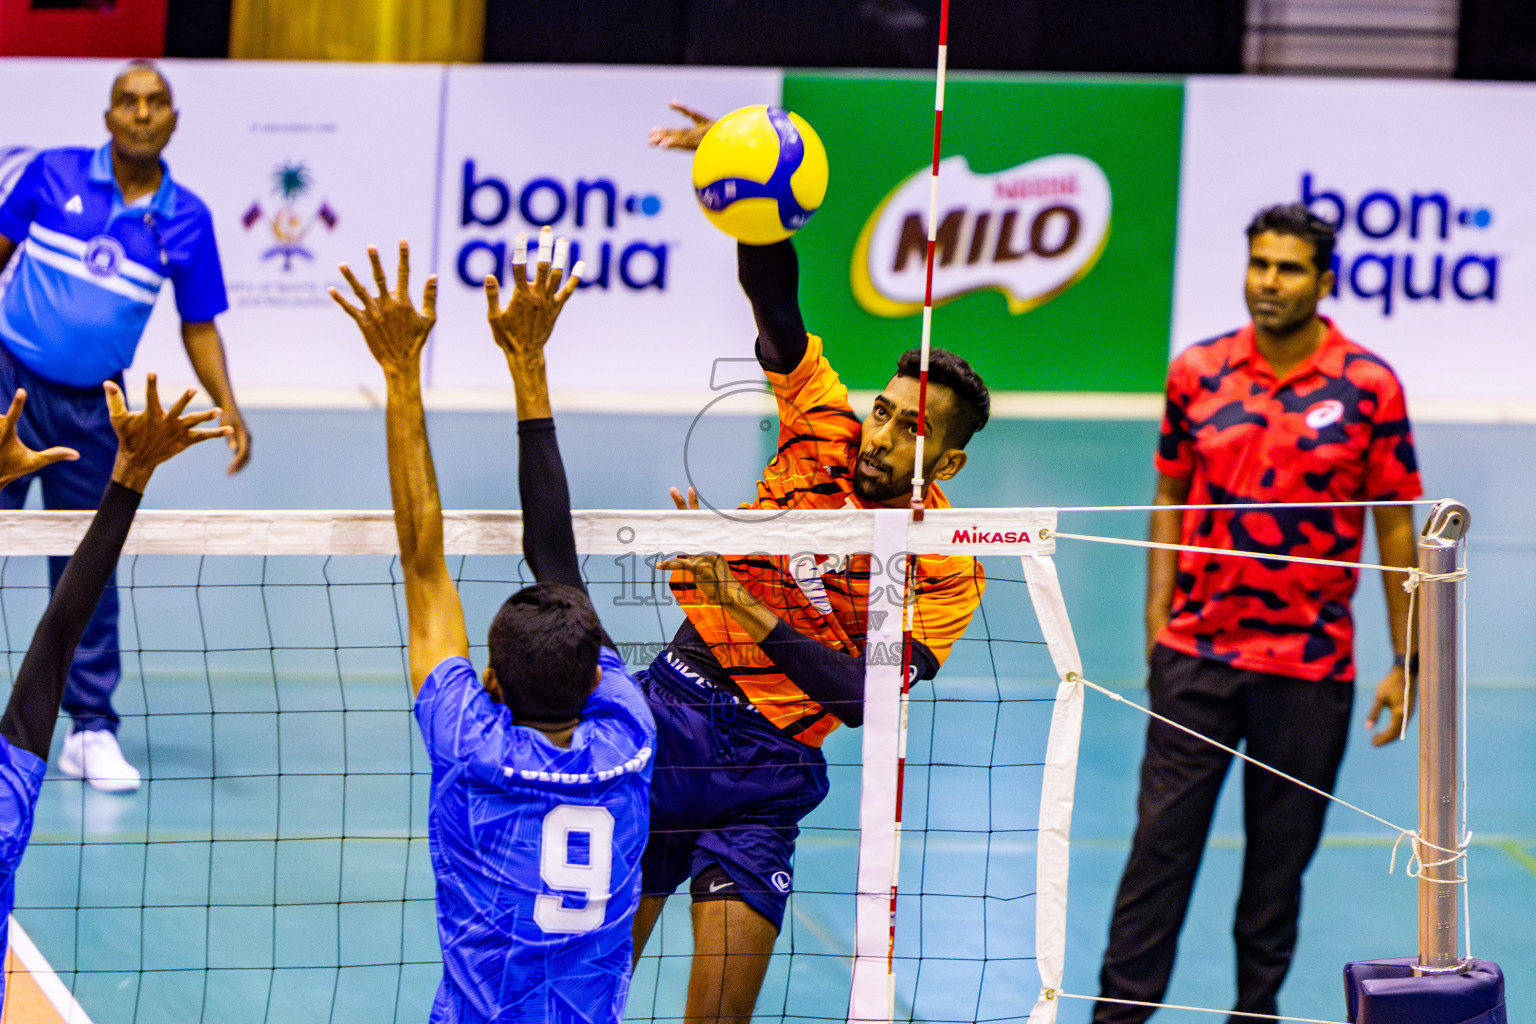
[[145, 440], [539, 806]]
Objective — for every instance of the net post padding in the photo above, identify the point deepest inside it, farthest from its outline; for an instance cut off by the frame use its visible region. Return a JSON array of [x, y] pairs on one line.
[[1058, 788], [873, 998]]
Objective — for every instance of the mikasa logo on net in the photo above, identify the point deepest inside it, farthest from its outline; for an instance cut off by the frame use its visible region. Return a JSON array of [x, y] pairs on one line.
[[1030, 232]]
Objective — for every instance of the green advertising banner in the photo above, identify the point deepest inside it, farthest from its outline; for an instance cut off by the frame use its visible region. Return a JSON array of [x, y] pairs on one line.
[[1057, 207]]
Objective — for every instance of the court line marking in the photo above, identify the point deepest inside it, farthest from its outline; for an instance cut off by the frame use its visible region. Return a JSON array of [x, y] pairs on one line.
[[1518, 854], [42, 972]]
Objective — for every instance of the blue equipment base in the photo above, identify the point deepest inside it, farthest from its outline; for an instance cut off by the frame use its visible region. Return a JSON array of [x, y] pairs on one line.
[[1388, 992]]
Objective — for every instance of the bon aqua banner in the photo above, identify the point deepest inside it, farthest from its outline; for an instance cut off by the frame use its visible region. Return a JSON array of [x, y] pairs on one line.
[[1058, 200]]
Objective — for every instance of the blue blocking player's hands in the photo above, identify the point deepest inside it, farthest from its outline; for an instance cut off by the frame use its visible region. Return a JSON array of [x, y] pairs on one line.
[[16, 459], [395, 330]]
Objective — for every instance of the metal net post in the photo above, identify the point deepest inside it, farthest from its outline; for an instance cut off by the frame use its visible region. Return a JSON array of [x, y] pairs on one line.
[[1439, 624]]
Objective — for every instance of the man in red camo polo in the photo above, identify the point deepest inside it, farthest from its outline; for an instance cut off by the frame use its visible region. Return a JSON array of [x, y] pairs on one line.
[[1247, 650]]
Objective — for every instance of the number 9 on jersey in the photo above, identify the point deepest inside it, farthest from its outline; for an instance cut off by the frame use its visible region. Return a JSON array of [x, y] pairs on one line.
[[591, 879]]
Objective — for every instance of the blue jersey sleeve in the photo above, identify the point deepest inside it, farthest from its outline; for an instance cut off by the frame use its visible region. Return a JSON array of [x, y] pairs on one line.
[[457, 717], [20, 206], [199, 279], [21, 778]]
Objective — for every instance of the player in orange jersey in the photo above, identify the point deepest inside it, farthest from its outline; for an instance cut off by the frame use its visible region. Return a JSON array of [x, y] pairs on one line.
[[771, 657]]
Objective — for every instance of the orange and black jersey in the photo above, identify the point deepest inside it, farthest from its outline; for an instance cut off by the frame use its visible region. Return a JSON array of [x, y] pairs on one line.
[[817, 597]]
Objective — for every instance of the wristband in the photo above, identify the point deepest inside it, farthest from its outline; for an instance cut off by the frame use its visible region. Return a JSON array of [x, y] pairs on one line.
[[1409, 663]]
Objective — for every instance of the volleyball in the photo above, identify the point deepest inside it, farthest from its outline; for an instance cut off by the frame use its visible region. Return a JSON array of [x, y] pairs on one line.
[[760, 172]]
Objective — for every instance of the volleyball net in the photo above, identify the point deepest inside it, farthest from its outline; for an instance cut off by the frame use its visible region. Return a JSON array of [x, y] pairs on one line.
[[275, 864]]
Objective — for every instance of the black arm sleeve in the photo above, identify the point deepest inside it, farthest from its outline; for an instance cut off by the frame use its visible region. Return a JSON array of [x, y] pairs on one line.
[[770, 275], [549, 540], [34, 707], [831, 678]]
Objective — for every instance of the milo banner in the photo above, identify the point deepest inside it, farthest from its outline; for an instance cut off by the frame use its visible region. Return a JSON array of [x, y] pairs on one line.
[[1057, 204]]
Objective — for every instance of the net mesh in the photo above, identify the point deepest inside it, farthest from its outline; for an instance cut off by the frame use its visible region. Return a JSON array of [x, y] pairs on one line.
[[275, 865]]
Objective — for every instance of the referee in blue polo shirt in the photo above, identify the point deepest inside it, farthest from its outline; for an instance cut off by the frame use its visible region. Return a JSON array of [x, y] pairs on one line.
[[99, 234]]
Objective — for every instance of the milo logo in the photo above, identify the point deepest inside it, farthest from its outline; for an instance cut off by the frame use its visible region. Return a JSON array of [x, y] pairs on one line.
[[1030, 232]]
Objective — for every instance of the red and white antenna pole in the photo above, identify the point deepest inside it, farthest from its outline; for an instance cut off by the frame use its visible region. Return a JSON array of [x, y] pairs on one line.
[[910, 589], [933, 229]]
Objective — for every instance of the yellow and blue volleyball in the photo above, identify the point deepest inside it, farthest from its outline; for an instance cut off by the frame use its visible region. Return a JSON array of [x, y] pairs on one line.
[[760, 172]]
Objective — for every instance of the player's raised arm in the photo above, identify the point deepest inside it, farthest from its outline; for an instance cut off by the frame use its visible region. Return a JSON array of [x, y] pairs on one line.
[[396, 333], [145, 439], [521, 329]]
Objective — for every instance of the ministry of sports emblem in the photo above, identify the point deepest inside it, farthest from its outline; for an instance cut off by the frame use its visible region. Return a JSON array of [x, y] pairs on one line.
[[290, 223]]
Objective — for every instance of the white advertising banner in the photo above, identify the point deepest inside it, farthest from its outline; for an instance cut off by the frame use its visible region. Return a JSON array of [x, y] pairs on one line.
[[525, 147], [301, 166], [1430, 182], [304, 165]]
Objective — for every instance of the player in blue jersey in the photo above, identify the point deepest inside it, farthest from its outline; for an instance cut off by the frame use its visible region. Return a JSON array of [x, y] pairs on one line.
[[93, 237], [145, 439], [541, 771]]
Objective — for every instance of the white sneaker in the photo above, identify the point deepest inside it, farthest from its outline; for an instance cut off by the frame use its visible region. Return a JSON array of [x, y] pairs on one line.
[[93, 755]]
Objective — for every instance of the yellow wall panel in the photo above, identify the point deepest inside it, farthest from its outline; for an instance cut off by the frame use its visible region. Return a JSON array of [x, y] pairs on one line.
[[360, 30]]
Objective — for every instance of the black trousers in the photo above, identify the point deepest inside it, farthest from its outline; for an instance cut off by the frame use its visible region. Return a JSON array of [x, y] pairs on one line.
[[1295, 725]]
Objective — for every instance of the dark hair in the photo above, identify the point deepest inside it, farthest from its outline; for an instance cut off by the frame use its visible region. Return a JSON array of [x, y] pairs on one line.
[[1296, 220], [973, 402], [544, 644], [140, 64]]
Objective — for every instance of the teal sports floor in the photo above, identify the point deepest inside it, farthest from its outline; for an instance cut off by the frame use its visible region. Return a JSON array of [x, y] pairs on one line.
[[268, 873]]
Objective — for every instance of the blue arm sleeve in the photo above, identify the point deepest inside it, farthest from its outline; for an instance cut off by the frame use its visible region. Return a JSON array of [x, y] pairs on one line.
[[199, 280], [20, 206]]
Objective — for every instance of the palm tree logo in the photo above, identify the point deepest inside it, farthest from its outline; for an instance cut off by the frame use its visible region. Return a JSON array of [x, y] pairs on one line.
[[291, 182]]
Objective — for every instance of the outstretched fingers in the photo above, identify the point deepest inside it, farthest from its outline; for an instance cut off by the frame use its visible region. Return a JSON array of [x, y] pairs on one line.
[[152, 397], [429, 298], [403, 274], [693, 115], [181, 404], [558, 271], [357, 286], [378, 271], [492, 297], [201, 434], [18, 401], [351, 310], [117, 407], [520, 262], [546, 255], [48, 456], [203, 417]]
